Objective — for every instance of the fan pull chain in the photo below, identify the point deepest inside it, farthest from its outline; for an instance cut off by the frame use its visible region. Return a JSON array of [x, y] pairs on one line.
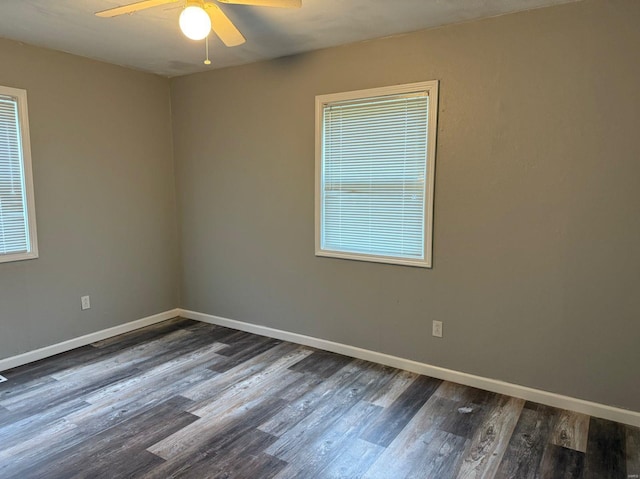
[[206, 46]]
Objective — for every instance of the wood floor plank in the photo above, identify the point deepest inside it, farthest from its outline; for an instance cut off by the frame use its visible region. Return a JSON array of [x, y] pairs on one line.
[[186, 399], [318, 451], [40, 449], [475, 404], [175, 348], [241, 340], [442, 456], [228, 458], [155, 377], [90, 353], [263, 466], [116, 468], [389, 393], [322, 363], [35, 401], [15, 387], [22, 379], [39, 370], [217, 386], [37, 456], [389, 424], [414, 443], [606, 454], [98, 417], [261, 366], [297, 410], [241, 348], [239, 358], [155, 350], [633, 452], [353, 460], [213, 333], [206, 428], [26, 448], [24, 426], [142, 335], [211, 438], [230, 461], [523, 457], [562, 463], [81, 373], [273, 378], [300, 387], [571, 431], [491, 439], [327, 412], [42, 368], [118, 444]]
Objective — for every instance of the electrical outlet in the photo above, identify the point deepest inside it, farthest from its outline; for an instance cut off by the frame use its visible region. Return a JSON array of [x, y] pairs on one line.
[[437, 329], [85, 302]]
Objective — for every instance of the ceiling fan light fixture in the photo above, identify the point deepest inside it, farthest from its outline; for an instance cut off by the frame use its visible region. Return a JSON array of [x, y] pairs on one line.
[[195, 23]]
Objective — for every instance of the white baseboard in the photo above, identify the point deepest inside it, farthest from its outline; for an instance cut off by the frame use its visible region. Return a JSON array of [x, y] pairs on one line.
[[535, 395], [31, 356]]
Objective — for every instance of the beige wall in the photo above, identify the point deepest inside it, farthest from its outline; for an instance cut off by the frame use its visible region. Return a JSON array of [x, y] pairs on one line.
[[536, 259], [105, 201]]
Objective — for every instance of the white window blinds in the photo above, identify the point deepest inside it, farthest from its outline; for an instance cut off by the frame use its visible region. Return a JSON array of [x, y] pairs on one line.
[[15, 241], [374, 176]]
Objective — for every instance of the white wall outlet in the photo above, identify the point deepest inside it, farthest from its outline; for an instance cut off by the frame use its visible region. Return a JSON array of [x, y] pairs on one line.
[[437, 329], [85, 302]]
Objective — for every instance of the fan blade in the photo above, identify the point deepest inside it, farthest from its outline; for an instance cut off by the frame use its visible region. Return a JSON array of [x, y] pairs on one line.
[[223, 27], [133, 7], [266, 3]]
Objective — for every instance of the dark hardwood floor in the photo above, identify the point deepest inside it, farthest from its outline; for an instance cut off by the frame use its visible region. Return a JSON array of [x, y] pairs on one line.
[[188, 399]]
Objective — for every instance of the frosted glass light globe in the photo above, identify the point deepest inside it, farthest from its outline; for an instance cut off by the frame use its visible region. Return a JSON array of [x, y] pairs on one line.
[[195, 23]]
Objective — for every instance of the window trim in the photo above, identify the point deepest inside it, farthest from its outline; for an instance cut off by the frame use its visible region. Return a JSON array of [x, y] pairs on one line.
[[431, 89], [25, 143]]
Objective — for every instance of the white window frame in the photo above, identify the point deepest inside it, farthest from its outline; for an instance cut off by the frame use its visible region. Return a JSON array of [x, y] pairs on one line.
[[25, 143], [431, 89]]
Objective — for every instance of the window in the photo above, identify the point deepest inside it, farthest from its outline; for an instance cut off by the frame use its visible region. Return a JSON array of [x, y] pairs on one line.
[[375, 163], [17, 211]]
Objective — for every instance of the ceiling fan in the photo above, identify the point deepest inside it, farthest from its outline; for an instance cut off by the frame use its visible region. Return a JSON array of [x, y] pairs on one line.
[[199, 17]]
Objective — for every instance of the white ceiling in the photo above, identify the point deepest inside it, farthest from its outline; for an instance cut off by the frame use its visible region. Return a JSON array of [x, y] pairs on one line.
[[151, 40]]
